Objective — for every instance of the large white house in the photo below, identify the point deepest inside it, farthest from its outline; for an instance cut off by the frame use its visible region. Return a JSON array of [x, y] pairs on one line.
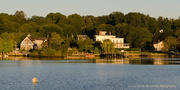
[[119, 42], [32, 42], [158, 46]]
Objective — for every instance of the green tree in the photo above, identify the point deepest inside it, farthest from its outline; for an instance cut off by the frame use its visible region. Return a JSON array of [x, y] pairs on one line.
[[139, 37], [90, 26], [55, 41], [68, 29], [9, 26], [136, 20], [123, 29], [98, 44], [107, 45], [80, 44], [20, 14], [116, 17], [102, 20], [170, 44], [77, 21], [48, 52], [178, 40], [26, 28], [56, 18], [21, 17], [65, 46], [49, 28], [39, 20], [105, 27], [6, 44], [96, 50], [165, 25], [153, 25], [88, 44], [85, 45]]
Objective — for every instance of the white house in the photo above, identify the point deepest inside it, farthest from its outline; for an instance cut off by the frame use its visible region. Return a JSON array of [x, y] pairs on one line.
[[119, 42], [32, 42], [158, 46], [81, 36]]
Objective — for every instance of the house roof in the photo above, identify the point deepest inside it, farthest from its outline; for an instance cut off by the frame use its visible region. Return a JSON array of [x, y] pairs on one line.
[[157, 42], [83, 36], [37, 38]]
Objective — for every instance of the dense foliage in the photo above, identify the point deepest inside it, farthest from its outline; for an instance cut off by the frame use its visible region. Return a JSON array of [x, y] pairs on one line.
[[140, 30]]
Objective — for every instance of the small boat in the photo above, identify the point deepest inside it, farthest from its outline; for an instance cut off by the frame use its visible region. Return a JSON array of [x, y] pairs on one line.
[[89, 55]]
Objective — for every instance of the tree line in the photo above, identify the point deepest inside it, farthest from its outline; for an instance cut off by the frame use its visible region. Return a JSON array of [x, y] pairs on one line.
[[139, 30]]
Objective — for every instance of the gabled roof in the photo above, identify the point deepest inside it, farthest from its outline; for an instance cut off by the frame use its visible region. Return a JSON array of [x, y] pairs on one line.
[[27, 38], [157, 42], [37, 38]]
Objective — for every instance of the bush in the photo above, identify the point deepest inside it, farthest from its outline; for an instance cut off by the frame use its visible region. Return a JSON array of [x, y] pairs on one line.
[[96, 50], [35, 53], [48, 52]]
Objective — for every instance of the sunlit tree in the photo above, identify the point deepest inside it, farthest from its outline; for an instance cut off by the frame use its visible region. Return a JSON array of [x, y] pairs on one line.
[[170, 44], [107, 45]]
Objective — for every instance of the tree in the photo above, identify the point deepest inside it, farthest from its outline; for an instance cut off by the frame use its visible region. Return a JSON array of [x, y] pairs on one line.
[[55, 41], [8, 26], [102, 20], [165, 25], [116, 17], [80, 44], [88, 44], [139, 37], [20, 14], [96, 50], [136, 20], [85, 45], [153, 25], [39, 20], [49, 28], [97, 44], [26, 28], [170, 44], [107, 45], [123, 29], [105, 27], [77, 21], [68, 29], [178, 40], [6, 44], [65, 46], [90, 26], [48, 52], [56, 18]]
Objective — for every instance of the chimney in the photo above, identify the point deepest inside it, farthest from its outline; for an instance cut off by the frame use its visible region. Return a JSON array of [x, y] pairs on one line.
[[28, 35], [100, 32], [109, 32]]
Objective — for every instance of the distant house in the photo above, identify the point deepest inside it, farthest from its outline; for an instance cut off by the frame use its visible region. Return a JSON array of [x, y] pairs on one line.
[[32, 42], [158, 46], [119, 42], [81, 36]]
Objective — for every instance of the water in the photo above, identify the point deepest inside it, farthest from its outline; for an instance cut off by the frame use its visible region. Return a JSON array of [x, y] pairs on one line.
[[101, 74]]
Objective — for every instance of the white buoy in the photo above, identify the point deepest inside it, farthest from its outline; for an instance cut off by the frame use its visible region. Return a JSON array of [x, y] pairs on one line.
[[34, 80]]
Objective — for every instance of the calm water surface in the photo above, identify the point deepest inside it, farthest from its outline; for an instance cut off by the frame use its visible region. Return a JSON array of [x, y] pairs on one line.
[[100, 74]]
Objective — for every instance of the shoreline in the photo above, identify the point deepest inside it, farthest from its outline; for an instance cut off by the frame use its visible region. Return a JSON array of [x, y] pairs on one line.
[[108, 55]]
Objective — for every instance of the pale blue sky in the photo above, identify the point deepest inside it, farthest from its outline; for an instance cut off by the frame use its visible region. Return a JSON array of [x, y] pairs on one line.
[[155, 8]]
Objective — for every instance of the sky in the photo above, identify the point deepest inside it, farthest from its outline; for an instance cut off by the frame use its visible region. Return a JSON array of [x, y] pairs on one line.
[[155, 8]]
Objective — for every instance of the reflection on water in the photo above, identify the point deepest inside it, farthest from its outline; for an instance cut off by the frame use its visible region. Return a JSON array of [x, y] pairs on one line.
[[16, 73], [143, 61]]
